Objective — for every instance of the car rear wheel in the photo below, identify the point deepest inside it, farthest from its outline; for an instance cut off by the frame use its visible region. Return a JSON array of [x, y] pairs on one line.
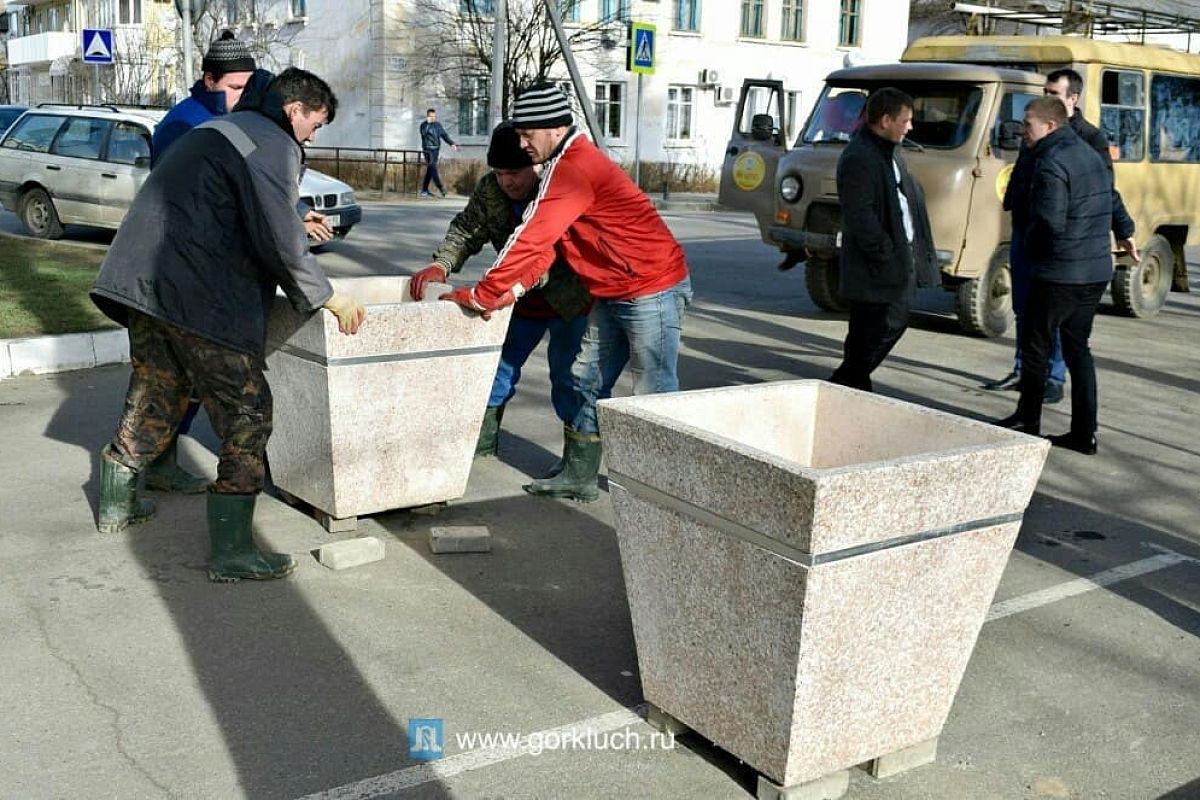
[[39, 215], [985, 303], [1139, 290]]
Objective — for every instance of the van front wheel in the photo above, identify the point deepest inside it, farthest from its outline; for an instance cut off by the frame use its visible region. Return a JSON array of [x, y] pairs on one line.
[[1140, 290], [985, 303], [39, 215], [821, 280]]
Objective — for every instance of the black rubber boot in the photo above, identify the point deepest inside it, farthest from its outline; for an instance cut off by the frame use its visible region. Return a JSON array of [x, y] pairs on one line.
[[119, 504], [165, 475], [234, 554], [579, 479], [489, 433]]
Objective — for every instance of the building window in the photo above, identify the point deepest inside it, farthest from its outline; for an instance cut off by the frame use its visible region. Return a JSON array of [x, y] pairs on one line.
[[793, 21], [850, 24], [129, 12], [473, 100], [477, 8], [569, 10], [610, 98], [687, 15], [614, 10], [299, 9], [752, 19], [679, 112]]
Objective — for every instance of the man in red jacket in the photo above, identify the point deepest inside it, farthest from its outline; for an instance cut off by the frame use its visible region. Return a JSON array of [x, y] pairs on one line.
[[588, 211]]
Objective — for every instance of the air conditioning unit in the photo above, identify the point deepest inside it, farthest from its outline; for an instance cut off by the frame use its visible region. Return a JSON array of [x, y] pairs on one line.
[[725, 95], [709, 77]]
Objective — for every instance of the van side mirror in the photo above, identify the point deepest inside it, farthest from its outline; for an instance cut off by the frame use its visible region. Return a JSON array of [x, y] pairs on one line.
[[1012, 132], [142, 161], [762, 127]]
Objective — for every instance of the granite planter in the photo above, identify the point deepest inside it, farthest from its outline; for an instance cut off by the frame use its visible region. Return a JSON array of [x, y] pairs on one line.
[[384, 419], [808, 566]]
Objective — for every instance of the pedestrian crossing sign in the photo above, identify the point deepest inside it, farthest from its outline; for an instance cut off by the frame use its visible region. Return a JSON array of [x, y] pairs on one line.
[[97, 46], [641, 48]]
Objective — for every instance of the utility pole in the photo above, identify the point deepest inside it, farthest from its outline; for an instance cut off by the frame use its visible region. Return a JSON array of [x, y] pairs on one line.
[[185, 13], [499, 50], [585, 100]]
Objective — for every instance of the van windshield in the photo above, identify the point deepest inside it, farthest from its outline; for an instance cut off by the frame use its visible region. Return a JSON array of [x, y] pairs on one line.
[[943, 114]]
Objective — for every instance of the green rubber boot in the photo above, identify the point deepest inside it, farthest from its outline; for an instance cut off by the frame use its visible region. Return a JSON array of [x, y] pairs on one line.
[[119, 503], [234, 554], [165, 475], [579, 479], [489, 433]]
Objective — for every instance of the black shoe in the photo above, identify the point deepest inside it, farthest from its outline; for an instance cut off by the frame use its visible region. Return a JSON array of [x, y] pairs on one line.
[[1016, 423], [1054, 393], [1009, 382], [1080, 444]]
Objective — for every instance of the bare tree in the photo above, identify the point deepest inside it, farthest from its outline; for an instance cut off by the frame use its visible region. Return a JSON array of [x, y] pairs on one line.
[[453, 38], [935, 18], [129, 80]]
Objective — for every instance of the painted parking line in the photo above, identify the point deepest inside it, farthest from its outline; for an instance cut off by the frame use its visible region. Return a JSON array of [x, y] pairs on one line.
[[448, 767], [1028, 602]]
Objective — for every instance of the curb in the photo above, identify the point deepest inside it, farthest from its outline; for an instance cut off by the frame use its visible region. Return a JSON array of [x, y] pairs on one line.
[[43, 355], [686, 205]]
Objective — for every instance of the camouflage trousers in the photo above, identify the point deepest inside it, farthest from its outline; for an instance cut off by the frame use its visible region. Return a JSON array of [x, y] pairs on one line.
[[168, 365]]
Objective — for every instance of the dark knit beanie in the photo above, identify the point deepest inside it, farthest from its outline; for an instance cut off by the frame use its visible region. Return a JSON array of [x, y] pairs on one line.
[[227, 54], [504, 151], [542, 105]]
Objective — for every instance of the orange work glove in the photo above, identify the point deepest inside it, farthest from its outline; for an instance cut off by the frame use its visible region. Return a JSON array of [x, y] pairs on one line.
[[434, 273]]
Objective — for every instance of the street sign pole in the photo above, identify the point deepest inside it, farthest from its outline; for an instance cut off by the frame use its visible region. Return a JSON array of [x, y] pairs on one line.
[[185, 14], [641, 60], [499, 48], [637, 136]]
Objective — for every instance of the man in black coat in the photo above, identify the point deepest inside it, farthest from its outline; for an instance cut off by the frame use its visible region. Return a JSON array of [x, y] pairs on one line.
[[1067, 246], [887, 247], [192, 273], [1066, 85]]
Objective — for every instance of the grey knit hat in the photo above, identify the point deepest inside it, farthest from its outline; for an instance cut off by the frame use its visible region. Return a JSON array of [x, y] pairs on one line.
[[542, 105], [227, 54]]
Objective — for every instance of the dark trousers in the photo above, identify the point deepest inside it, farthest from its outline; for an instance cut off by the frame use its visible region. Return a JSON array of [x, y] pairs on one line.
[[431, 170], [874, 330], [168, 363], [1069, 309], [1022, 276]]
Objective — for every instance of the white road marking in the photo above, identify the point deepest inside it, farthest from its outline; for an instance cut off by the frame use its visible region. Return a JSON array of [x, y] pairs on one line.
[[471, 760]]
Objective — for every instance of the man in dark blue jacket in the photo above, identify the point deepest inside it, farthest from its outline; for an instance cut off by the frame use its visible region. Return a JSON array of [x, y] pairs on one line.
[[191, 273], [1067, 246], [432, 136]]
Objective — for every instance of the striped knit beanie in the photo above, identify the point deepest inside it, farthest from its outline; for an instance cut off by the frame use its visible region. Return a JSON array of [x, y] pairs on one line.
[[542, 105], [226, 55]]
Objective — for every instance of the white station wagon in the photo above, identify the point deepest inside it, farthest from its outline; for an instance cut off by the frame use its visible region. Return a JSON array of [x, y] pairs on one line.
[[82, 165]]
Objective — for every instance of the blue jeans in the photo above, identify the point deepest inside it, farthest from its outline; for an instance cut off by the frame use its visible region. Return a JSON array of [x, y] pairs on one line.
[[1022, 279], [645, 331], [523, 336], [431, 170]]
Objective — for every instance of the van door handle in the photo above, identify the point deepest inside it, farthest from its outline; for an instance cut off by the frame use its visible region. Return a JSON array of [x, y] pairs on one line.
[[52, 167], [108, 175]]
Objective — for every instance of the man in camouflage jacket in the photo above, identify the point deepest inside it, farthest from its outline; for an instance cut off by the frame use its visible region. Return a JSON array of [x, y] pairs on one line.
[[559, 305]]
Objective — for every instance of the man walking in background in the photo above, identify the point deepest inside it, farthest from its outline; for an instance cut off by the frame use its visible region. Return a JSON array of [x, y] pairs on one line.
[[887, 246], [432, 136]]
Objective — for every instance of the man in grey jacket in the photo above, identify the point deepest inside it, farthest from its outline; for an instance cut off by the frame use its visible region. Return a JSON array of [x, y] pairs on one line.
[[191, 273]]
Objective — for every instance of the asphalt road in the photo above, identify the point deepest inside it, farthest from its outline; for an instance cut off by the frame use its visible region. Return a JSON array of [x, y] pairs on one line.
[[127, 675]]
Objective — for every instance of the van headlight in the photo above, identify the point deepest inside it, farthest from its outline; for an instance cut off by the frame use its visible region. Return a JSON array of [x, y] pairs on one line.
[[346, 199], [790, 188]]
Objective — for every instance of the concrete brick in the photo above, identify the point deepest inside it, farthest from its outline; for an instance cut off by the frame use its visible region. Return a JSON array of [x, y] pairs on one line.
[[903, 760], [461, 539], [111, 347], [829, 787], [51, 354], [5, 361], [351, 552]]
